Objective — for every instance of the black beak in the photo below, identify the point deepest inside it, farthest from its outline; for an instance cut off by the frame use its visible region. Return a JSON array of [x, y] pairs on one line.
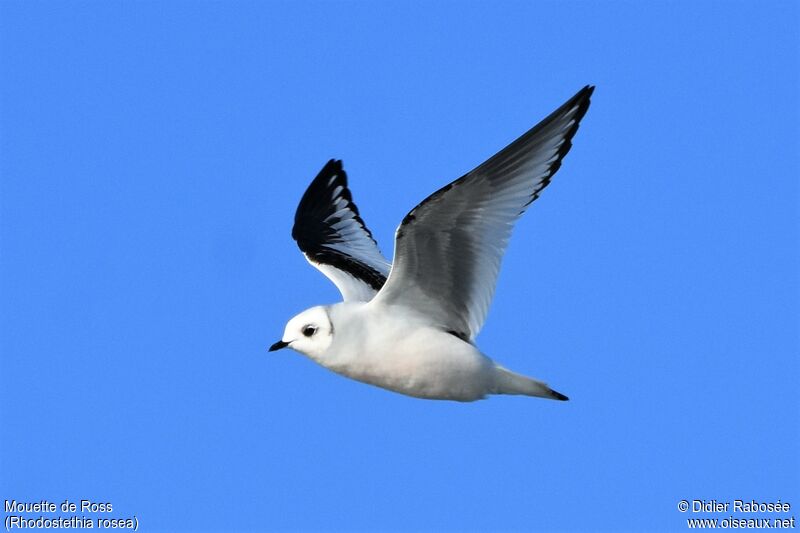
[[278, 345]]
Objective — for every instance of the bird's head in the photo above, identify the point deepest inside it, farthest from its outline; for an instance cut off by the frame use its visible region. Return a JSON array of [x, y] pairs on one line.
[[309, 333]]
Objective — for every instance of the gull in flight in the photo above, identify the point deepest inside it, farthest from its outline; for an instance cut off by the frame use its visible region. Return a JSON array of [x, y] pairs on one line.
[[410, 326]]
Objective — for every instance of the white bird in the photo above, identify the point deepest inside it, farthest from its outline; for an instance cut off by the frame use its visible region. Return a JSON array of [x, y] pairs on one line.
[[410, 326]]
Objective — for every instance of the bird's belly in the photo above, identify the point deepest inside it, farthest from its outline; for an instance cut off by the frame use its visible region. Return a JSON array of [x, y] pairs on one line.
[[424, 364]]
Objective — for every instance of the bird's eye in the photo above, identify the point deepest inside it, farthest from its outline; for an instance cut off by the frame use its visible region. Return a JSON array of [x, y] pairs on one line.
[[309, 331]]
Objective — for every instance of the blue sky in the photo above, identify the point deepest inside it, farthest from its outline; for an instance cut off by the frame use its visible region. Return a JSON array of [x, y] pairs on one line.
[[151, 158]]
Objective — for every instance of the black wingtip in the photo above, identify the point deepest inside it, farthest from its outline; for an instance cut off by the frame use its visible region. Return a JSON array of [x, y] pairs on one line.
[[333, 165], [326, 202], [584, 93], [558, 396], [584, 98]]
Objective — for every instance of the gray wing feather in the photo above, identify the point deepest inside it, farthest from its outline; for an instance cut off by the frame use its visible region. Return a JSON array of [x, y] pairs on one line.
[[448, 249]]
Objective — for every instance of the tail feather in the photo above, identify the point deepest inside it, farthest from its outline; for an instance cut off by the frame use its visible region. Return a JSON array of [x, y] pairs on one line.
[[508, 382]]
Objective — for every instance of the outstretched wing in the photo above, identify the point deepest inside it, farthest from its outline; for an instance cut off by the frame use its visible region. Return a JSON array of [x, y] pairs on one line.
[[333, 238], [448, 249]]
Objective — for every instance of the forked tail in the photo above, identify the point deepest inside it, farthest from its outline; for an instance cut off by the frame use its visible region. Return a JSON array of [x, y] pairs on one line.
[[508, 382]]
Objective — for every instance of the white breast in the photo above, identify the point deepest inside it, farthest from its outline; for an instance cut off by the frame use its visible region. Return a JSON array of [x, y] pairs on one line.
[[402, 354]]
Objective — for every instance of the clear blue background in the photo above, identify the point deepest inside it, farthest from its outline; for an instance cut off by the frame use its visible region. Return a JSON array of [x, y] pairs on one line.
[[151, 158]]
